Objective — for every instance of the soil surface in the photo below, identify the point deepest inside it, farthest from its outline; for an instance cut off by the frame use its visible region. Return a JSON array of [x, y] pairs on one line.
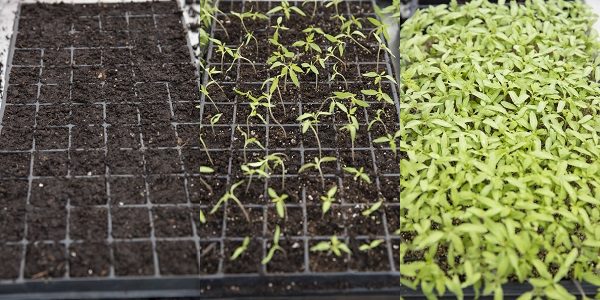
[[100, 147]]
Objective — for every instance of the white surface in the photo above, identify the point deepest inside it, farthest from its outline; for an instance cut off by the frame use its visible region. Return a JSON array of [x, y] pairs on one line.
[[595, 4]]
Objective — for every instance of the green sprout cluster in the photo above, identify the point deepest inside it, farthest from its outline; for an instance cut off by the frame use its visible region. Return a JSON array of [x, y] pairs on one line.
[[499, 148], [304, 58]]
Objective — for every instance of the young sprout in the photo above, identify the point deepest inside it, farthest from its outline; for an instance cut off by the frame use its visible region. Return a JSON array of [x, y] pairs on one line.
[[317, 166], [202, 217], [223, 50], [378, 119], [214, 120], [358, 173], [230, 195], [380, 29], [328, 199], [337, 74], [249, 15], [310, 120], [274, 247], [249, 141], [333, 245], [279, 201], [263, 166], [335, 4], [275, 39], [286, 9], [255, 103], [367, 212], [308, 44], [379, 94], [206, 149], [310, 67], [206, 170], [288, 69], [390, 140], [370, 246], [204, 91], [241, 249]]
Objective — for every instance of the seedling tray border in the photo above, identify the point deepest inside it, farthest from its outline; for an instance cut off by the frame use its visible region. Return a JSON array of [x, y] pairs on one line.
[[197, 285]]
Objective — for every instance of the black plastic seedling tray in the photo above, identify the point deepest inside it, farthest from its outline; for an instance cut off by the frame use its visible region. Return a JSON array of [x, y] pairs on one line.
[[120, 237]]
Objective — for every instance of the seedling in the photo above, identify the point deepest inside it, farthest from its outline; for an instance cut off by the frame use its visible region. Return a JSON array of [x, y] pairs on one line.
[[310, 121], [279, 201], [378, 119], [335, 4], [328, 199], [288, 69], [370, 246], [202, 217], [358, 174], [249, 141], [230, 195], [317, 165], [390, 140], [336, 74], [334, 245], [223, 50], [310, 67], [266, 165], [369, 211], [206, 170], [278, 26], [379, 94], [204, 91], [249, 15], [274, 247], [214, 120], [205, 149], [308, 44], [241, 249], [286, 9]]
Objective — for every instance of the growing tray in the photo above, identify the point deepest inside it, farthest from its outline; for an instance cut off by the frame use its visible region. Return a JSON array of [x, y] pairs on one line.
[[99, 187]]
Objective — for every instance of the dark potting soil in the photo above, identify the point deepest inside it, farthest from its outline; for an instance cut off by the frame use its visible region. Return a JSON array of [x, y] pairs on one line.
[[100, 148]]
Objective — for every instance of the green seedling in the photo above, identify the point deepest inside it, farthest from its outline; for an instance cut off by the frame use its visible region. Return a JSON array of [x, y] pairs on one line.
[[265, 166], [241, 249], [204, 91], [214, 120], [206, 149], [334, 245], [378, 119], [274, 247], [335, 4], [310, 121], [369, 211], [249, 15], [308, 44], [390, 140], [206, 170], [336, 74], [279, 201], [370, 246], [317, 165], [248, 141], [222, 50], [377, 79], [328, 199], [287, 10], [230, 195], [278, 27], [358, 174], [288, 70], [202, 217], [311, 68]]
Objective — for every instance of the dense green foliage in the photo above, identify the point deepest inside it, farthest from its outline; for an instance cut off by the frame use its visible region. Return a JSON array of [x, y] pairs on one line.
[[500, 169]]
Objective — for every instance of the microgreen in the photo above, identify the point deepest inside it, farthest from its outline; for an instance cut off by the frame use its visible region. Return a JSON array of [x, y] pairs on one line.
[[377, 119], [308, 44], [279, 201], [310, 121], [390, 140], [334, 245], [328, 199], [230, 195], [369, 211], [286, 9], [370, 246], [241, 249], [317, 165], [249, 141], [274, 247], [358, 174], [498, 148]]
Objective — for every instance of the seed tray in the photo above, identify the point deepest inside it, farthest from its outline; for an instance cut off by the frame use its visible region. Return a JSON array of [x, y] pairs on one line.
[[100, 194]]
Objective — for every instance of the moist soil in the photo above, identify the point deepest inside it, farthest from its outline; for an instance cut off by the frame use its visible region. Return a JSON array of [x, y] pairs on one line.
[[103, 119]]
